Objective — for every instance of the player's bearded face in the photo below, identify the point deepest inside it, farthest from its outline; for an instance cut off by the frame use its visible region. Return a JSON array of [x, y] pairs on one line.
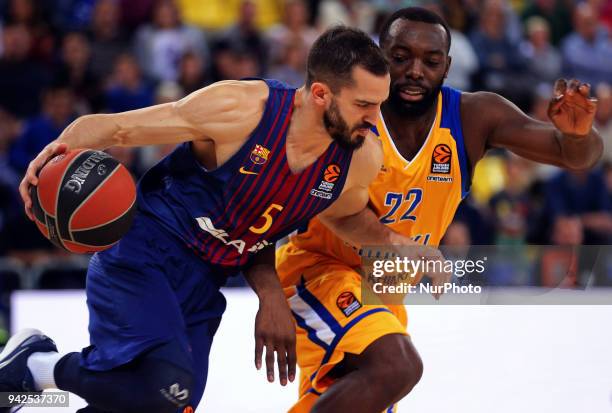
[[339, 129], [413, 108]]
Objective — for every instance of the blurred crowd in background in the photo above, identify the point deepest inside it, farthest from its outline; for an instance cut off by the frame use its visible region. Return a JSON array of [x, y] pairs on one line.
[[60, 59]]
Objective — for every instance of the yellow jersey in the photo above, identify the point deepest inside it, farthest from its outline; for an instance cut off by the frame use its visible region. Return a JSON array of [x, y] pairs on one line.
[[417, 198]]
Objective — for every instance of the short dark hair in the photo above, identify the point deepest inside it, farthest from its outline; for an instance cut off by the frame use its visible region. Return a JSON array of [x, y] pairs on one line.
[[415, 14], [335, 53]]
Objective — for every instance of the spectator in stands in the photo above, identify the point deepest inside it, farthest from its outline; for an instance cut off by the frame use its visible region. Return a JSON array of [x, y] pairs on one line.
[[543, 60], [355, 13], [510, 207], [232, 61], [75, 71], [477, 220], [587, 52], [583, 194], [135, 13], [559, 266], [58, 111], [603, 117], [107, 38], [465, 61], [29, 15], [555, 12], [159, 46], [192, 73], [244, 35], [294, 26], [21, 81], [604, 11], [292, 64], [540, 100], [9, 178], [72, 15], [127, 89], [502, 67]]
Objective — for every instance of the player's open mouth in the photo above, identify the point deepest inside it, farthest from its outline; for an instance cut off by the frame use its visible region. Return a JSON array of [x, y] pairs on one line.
[[412, 93]]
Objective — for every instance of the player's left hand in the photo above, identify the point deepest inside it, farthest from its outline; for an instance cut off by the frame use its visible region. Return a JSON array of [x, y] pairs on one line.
[[572, 109], [275, 330]]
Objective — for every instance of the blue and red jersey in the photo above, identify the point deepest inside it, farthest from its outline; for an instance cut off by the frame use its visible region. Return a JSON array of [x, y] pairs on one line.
[[229, 213]]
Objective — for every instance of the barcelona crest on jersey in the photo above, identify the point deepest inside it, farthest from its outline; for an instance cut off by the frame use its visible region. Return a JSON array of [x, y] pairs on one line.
[[259, 154]]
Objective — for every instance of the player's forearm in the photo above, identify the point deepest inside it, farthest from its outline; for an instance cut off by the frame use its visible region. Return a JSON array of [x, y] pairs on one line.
[[261, 274], [154, 125], [580, 152], [90, 131], [364, 228]]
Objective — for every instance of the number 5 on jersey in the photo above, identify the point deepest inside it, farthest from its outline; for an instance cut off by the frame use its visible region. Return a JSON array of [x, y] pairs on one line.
[[269, 220]]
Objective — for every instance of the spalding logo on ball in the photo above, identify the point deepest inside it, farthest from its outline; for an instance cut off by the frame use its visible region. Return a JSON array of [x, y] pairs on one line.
[[85, 201]]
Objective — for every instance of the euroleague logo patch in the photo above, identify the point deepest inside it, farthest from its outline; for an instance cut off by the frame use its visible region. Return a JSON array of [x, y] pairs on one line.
[[332, 173], [348, 303], [326, 187], [441, 159], [188, 409]]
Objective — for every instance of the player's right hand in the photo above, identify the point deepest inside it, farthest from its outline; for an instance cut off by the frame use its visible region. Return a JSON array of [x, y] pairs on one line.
[[275, 331], [31, 176]]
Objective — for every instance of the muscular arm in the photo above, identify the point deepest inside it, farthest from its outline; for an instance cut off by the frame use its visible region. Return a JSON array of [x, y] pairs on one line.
[[223, 113], [569, 142], [220, 112]]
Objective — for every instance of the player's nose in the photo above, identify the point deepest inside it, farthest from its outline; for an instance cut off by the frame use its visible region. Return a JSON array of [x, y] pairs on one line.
[[415, 69]]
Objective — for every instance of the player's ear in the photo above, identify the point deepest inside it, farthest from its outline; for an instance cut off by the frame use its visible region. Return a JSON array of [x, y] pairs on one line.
[[448, 65], [320, 94]]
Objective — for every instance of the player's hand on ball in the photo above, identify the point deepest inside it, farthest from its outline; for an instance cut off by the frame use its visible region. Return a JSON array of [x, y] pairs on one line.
[[30, 179], [275, 330], [572, 109]]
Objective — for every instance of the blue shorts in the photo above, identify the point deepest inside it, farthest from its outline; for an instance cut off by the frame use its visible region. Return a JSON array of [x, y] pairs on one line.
[[147, 290]]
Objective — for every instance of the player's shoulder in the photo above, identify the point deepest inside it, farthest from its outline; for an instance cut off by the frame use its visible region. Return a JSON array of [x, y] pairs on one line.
[[366, 160], [238, 92], [488, 102]]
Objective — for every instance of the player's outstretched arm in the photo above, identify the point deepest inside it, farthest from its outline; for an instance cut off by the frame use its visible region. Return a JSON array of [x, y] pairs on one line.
[[569, 141], [274, 326], [224, 112]]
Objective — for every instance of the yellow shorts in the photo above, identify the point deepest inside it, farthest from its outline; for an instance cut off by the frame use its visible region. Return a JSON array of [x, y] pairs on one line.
[[332, 320]]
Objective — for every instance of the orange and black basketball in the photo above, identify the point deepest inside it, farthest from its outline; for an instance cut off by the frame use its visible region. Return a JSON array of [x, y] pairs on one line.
[[442, 153], [84, 201]]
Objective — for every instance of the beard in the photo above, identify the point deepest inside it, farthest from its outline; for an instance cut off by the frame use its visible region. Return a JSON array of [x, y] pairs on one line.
[[339, 129], [413, 109]]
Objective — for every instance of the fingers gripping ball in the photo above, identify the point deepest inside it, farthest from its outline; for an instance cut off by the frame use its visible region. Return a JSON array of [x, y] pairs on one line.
[[84, 201]]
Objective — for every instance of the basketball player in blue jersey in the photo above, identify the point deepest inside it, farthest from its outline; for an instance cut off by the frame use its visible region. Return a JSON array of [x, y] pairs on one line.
[[369, 364], [257, 160]]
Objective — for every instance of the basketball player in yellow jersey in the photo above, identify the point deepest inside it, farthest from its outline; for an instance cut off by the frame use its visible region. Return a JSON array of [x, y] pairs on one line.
[[356, 358]]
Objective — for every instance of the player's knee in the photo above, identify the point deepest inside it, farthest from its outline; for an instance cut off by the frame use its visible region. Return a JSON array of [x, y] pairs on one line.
[[400, 365], [407, 366]]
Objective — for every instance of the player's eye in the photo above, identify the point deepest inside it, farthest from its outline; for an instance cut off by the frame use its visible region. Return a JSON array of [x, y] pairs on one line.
[[398, 58]]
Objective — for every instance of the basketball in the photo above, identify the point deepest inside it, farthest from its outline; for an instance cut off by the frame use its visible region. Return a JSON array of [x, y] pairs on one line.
[[84, 201]]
